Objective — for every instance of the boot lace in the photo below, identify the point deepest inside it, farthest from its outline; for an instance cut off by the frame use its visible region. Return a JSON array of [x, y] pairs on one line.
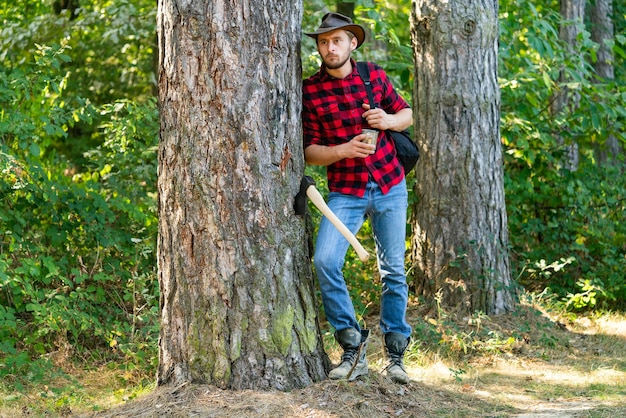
[[350, 355], [395, 360]]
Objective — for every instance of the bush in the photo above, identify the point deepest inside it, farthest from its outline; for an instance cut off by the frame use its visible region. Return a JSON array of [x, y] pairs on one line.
[[566, 223], [77, 262]]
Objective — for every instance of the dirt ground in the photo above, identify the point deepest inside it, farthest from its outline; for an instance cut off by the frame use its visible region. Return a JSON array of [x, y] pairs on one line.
[[580, 373], [372, 398]]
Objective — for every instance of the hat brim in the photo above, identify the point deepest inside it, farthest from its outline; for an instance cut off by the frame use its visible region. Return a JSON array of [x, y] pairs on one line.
[[357, 30]]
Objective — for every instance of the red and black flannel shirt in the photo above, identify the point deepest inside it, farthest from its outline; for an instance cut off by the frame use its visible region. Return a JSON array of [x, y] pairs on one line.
[[332, 114]]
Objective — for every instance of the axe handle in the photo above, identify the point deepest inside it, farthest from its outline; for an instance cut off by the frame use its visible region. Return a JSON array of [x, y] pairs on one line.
[[317, 199]]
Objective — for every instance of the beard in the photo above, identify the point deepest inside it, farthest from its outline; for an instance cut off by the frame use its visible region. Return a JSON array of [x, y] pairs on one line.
[[333, 65]]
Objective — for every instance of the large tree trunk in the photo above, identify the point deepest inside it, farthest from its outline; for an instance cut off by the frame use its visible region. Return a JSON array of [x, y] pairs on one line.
[[460, 238], [234, 269], [601, 14]]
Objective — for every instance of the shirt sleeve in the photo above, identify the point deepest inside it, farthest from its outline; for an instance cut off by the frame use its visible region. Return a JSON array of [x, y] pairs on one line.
[[391, 101], [310, 120]]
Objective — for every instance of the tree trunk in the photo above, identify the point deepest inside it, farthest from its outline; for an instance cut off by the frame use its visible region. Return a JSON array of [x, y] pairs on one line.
[[460, 238], [346, 8], [236, 282], [566, 100], [601, 12]]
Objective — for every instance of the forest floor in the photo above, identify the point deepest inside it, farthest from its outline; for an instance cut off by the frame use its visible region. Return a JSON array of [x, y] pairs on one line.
[[555, 367]]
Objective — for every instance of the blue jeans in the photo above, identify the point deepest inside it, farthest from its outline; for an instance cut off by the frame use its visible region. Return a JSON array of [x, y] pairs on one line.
[[387, 214]]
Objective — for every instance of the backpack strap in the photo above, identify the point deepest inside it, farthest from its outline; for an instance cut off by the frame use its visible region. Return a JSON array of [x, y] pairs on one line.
[[364, 71]]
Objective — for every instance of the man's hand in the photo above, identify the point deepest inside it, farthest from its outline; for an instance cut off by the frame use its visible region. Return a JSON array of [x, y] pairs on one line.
[[323, 155], [356, 148], [379, 119]]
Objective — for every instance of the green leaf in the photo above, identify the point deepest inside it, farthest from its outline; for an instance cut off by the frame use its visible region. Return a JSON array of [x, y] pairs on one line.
[[547, 80], [34, 150]]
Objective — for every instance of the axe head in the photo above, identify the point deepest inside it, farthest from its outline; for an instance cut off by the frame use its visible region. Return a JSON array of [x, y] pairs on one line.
[[300, 203]]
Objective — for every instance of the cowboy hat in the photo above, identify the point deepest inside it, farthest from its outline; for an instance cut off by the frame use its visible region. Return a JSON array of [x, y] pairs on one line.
[[334, 21]]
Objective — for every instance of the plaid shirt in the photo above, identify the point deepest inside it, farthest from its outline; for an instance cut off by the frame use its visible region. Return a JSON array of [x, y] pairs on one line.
[[332, 114]]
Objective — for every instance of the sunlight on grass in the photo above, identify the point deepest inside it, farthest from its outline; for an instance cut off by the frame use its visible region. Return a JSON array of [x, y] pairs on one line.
[[548, 374], [95, 389], [564, 365], [612, 324]]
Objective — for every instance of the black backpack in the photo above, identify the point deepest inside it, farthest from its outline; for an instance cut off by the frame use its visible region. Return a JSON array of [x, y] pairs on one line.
[[406, 150]]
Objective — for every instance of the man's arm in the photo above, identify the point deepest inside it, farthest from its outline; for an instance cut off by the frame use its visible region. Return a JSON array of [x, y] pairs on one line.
[[323, 155]]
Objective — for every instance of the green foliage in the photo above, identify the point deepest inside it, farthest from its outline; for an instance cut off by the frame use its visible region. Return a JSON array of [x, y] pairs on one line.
[[578, 215], [111, 44], [77, 264], [390, 41], [555, 213], [78, 133], [107, 53]]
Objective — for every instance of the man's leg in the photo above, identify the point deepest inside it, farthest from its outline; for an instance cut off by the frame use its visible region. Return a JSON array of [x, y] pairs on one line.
[[389, 226], [329, 259]]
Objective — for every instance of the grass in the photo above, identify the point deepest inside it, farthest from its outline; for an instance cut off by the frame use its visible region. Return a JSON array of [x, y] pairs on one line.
[[80, 388], [534, 362]]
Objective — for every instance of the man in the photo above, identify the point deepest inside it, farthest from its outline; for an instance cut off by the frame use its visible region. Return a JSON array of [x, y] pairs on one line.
[[365, 181]]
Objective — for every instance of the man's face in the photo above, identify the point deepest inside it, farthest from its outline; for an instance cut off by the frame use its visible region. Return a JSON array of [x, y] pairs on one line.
[[335, 48]]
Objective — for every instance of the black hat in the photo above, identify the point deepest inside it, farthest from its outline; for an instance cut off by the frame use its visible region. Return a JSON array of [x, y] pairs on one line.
[[334, 21]]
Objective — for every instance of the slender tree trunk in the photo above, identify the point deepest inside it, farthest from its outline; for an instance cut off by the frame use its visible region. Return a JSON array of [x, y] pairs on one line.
[[63, 6], [601, 12], [236, 282], [460, 239], [566, 100], [346, 8]]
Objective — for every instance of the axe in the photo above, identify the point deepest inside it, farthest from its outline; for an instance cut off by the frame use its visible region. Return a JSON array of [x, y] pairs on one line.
[[307, 188]]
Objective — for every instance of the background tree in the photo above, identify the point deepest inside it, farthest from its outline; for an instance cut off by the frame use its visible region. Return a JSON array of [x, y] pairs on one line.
[[236, 296], [566, 97], [601, 27], [459, 248]]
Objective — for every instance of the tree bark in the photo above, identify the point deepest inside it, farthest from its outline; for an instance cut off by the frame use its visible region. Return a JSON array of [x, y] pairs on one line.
[[237, 306], [565, 99], [601, 12], [460, 238]]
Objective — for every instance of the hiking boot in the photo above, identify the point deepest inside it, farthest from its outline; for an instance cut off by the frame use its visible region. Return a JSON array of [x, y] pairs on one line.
[[395, 345], [353, 361]]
